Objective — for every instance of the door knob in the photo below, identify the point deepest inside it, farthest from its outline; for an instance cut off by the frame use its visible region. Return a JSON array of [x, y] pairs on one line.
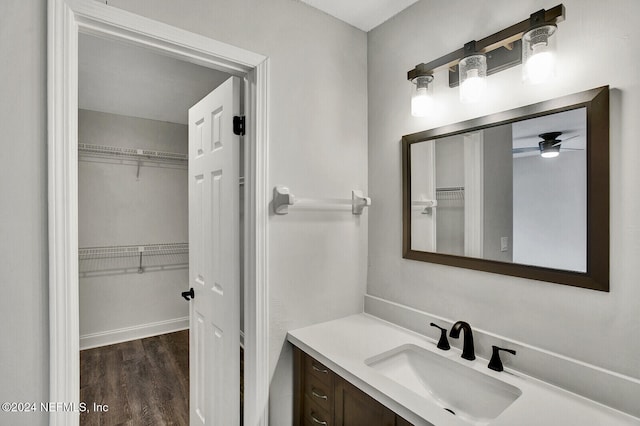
[[188, 295]]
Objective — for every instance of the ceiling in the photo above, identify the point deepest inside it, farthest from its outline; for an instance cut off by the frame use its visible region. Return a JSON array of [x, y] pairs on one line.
[[362, 14], [127, 80], [123, 79]]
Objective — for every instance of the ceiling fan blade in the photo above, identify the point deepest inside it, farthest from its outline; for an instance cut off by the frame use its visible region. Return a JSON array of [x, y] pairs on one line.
[[525, 149], [572, 137], [536, 136], [565, 140]]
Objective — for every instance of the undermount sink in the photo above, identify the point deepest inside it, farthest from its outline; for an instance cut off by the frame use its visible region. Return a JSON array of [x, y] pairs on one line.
[[459, 389]]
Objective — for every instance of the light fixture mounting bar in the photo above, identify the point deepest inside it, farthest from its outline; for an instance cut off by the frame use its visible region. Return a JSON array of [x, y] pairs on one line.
[[502, 39], [498, 59]]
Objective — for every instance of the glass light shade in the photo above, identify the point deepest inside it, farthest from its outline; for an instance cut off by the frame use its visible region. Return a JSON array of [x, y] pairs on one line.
[[422, 96], [473, 78], [548, 149], [539, 54], [550, 154]]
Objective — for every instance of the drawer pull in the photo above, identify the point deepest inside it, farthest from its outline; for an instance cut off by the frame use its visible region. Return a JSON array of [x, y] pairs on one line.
[[320, 422], [319, 370], [317, 394]]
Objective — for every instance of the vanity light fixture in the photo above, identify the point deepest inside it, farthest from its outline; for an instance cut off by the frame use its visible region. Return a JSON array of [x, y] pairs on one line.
[[473, 75], [422, 96], [531, 42], [539, 50]]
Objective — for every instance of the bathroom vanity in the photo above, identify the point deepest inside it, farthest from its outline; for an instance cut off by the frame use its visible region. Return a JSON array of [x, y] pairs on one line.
[[324, 398], [361, 370]]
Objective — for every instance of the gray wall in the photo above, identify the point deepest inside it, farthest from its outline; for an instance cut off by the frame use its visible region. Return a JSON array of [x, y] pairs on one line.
[[549, 218], [115, 208], [318, 133], [558, 318], [24, 353], [498, 192]]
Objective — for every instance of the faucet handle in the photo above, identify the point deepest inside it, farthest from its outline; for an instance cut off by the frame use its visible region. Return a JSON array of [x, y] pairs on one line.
[[495, 363], [443, 343]]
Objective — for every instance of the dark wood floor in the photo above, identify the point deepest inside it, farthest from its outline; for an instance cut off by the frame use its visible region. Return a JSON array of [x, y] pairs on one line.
[[143, 382]]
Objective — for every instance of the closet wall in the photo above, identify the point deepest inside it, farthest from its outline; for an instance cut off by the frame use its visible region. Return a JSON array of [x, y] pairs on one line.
[[497, 188], [116, 208], [450, 174]]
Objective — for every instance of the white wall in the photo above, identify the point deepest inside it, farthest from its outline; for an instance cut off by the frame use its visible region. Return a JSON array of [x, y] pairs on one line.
[[549, 202], [24, 313], [597, 46], [115, 208], [318, 134], [498, 193]]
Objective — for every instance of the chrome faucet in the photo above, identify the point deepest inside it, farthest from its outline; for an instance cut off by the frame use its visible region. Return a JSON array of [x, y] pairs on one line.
[[468, 351]]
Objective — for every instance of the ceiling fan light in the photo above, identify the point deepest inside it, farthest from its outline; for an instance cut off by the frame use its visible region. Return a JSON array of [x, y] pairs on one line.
[[549, 148], [550, 154]]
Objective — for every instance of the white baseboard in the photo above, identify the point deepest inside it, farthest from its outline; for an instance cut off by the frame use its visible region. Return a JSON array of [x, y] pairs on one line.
[[120, 335]]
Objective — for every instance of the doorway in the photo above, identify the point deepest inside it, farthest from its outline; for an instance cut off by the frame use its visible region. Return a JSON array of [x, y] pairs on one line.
[[68, 18], [133, 231]]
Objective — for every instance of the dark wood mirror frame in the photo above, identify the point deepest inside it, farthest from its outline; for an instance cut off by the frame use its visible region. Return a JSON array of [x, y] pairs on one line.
[[596, 102]]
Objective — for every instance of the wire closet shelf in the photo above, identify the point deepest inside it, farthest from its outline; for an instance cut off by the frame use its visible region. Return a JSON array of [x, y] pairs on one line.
[[101, 151], [455, 193], [132, 258], [132, 156], [450, 196]]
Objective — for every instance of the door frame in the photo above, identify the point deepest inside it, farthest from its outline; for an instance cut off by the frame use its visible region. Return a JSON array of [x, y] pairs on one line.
[[66, 19]]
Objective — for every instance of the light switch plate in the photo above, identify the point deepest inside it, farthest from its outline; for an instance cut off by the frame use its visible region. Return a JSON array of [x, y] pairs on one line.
[[504, 243]]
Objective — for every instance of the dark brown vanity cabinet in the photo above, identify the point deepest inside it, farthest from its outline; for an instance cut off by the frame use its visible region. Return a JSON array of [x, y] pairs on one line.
[[322, 398]]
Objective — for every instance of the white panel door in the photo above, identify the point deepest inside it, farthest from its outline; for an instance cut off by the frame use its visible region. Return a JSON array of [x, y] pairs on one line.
[[474, 194], [423, 192], [214, 263]]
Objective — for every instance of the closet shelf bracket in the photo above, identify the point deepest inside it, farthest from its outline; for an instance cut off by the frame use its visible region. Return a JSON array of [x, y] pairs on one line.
[[426, 206], [283, 199]]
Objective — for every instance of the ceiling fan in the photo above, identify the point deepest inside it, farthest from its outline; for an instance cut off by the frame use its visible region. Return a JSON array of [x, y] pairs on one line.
[[549, 146]]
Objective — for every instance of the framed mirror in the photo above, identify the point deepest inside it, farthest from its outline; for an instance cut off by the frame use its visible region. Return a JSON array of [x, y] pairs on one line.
[[523, 192]]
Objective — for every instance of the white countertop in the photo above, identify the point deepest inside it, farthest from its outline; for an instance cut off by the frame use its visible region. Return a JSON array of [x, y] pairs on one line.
[[344, 344]]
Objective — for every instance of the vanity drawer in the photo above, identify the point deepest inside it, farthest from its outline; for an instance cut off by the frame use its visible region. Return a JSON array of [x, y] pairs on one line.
[[314, 415], [314, 369], [322, 398], [319, 392]]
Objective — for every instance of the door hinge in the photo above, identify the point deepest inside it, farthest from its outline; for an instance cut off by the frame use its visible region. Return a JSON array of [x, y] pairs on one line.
[[238, 125]]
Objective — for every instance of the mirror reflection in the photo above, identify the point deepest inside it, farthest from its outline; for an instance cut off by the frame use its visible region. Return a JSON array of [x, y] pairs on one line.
[[513, 193]]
